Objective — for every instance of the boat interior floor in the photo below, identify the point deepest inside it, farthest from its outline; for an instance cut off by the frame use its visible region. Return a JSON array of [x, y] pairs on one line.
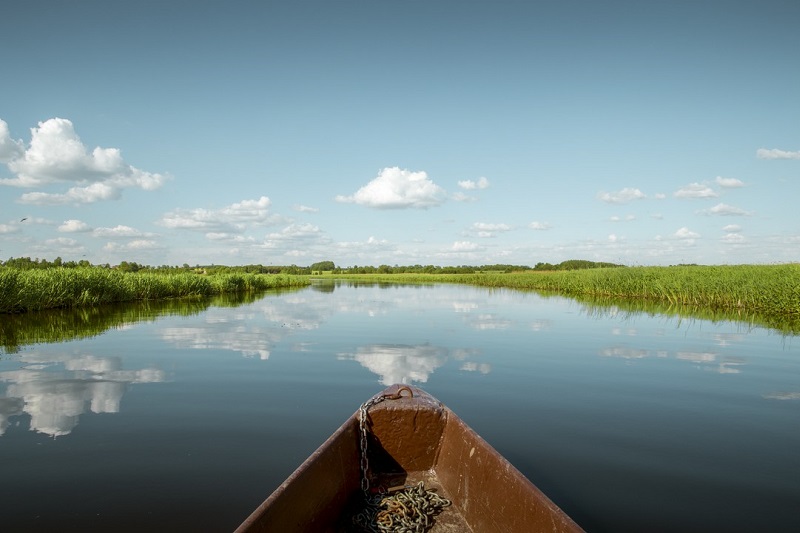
[[449, 520]]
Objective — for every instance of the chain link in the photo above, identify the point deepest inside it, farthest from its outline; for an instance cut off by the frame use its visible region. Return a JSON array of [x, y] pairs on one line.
[[364, 430], [410, 510]]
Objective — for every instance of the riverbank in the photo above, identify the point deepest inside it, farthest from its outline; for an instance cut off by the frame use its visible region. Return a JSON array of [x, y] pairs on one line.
[[33, 290], [769, 289]]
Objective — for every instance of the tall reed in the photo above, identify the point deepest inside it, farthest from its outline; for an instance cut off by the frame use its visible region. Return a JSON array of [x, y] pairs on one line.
[[764, 288], [25, 290]]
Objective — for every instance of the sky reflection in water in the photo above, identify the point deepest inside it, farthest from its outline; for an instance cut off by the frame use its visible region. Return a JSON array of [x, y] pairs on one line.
[[610, 413]]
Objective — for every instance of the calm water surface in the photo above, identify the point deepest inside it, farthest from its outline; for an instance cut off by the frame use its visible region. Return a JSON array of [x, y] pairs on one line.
[[187, 422]]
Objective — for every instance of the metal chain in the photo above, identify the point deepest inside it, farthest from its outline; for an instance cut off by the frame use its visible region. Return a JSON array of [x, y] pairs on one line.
[[364, 430], [410, 510], [362, 425]]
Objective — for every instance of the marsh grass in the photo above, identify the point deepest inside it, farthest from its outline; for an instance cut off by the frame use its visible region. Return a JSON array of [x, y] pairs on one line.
[[31, 290], [766, 289]]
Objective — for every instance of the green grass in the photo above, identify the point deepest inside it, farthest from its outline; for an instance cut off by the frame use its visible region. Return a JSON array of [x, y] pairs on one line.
[[31, 290], [770, 289]]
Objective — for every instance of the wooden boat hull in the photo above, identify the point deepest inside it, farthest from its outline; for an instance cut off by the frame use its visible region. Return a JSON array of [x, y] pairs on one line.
[[413, 439]]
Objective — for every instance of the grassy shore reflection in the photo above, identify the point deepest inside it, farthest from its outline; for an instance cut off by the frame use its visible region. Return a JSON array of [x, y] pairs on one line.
[[763, 295], [60, 325]]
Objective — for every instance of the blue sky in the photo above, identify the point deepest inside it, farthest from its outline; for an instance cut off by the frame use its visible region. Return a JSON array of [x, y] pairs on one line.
[[367, 133]]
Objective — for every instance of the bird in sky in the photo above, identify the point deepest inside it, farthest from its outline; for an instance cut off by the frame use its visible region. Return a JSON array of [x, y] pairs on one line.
[[23, 219]]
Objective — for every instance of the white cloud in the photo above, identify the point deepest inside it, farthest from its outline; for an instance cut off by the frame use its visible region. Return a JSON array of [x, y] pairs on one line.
[[695, 190], [470, 185], [729, 183], [724, 210], [371, 245], [539, 226], [483, 229], [294, 237], [57, 155], [659, 196], [464, 246], [399, 363], [628, 194], [234, 218], [296, 231], [138, 245], [9, 148], [613, 238], [76, 195], [305, 209], [461, 197], [732, 228], [74, 226], [686, 233], [63, 243], [733, 238], [396, 188], [774, 153], [117, 232], [6, 229], [229, 237]]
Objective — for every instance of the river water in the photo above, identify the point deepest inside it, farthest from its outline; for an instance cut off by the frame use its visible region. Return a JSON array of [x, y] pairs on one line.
[[186, 417]]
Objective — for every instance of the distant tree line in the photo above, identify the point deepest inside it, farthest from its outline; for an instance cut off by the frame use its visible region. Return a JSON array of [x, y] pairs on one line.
[[574, 264], [26, 263]]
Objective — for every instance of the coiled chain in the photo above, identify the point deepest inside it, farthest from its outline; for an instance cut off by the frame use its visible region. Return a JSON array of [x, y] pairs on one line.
[[409, 510]]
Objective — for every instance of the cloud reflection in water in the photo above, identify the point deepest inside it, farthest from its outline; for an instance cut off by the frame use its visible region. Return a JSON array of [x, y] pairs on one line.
[[56, 389]]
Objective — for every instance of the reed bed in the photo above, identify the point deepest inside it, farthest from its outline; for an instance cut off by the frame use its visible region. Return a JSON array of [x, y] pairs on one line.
[[770, 289], [29, 290]]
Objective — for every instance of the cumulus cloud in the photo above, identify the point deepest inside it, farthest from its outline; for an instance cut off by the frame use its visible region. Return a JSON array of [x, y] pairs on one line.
[[6, 229], [461, 197], [372, 244], [117, 232], [57, 155], [295, 239], [483, 229], [628, 194], [63, 243], [724, 210], [74, 226], [9, 148], [137, 245], [399, 363], [397, 188], [234, 218], [305, 209], [729, 183], [695, 190], [732, 228], [686, 233], [774, 153], [464, 246], [539, 226], [296, 231], [733, 238], [229, 237], [470, 185]]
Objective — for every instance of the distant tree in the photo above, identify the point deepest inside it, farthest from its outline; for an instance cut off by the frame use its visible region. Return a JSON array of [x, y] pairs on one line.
[[323, 266]]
